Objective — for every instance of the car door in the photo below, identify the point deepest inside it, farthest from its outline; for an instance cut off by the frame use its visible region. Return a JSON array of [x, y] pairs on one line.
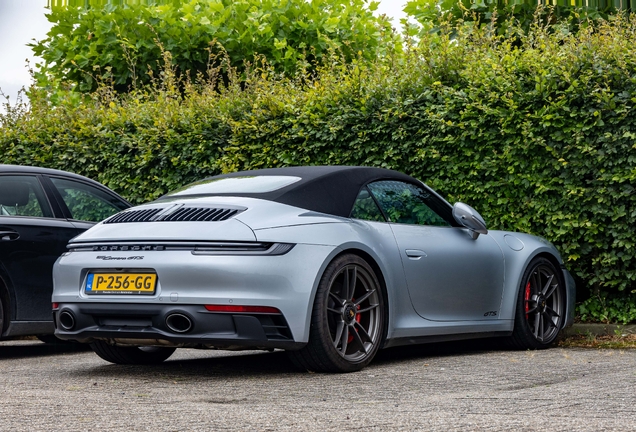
[[33, 234], [450, 276]]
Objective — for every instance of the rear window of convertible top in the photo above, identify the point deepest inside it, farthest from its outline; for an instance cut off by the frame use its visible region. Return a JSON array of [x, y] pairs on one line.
[[228, 185]]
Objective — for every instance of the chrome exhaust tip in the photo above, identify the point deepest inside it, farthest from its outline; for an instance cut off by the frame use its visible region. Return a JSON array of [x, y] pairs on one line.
[[179, 323], [67, 320]]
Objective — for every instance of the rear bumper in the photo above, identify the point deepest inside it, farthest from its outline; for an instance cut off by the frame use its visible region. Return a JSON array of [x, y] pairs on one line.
[[143, 324], [285, 282]]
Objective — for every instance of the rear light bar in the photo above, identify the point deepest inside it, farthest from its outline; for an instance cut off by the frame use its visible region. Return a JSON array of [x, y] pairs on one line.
[[196, 248], [243, 309]]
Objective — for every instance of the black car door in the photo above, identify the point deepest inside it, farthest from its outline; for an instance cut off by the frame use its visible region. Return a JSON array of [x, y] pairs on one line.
[[32, 236], [39, 214]]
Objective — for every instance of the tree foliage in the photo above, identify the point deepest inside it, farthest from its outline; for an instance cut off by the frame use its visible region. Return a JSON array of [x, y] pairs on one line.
[[428, 15], [126, 43]]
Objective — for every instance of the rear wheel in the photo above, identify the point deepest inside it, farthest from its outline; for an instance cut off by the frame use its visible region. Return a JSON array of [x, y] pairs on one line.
[[347, 323], [540, 308], [131, 355]]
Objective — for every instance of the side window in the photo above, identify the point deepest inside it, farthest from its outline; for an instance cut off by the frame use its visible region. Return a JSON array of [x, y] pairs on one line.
[[406, 203], [85, 202], [23, 196], [365, 207]]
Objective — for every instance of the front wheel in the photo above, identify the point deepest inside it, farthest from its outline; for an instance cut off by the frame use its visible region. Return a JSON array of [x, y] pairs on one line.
[[131, 355], [347, 323], [540, 308]]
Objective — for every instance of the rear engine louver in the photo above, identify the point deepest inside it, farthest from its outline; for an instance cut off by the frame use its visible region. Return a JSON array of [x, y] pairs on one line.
[[134, 216], [200, 214], [184, 214]]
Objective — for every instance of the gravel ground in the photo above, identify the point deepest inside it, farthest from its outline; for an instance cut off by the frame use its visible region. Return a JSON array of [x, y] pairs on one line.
[[445, 387]]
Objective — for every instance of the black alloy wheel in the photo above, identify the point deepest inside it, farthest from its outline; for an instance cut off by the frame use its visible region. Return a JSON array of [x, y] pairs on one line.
[[348, 319], [540, 310]]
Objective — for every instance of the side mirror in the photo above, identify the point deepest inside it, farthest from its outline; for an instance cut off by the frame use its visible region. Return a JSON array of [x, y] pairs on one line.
[[468, 217]]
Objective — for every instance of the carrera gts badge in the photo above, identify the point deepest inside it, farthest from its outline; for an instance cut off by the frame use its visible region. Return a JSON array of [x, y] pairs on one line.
[[111, 258]]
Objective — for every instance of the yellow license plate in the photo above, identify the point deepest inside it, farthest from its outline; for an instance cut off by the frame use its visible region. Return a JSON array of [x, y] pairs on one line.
[[120, 283]]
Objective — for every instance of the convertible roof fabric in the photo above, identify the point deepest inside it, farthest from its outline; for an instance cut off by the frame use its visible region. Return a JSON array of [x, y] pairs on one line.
[[325, 189]]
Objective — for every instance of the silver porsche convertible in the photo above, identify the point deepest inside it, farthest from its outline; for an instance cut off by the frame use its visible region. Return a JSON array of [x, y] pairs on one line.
[[328, 263]]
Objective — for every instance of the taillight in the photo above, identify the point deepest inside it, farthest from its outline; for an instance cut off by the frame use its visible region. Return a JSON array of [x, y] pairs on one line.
[[56, 306], [244, 309]]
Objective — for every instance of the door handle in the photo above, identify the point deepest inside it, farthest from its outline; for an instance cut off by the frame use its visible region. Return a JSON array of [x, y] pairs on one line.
[[9, 235], [415, 254]]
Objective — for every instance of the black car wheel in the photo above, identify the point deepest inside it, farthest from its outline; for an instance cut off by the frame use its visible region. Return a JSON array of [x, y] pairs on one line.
[[131, 355], [347, 323], [540, 308]]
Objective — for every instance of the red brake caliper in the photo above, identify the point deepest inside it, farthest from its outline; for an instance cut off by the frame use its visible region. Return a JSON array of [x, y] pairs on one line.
[[350, 338], [527, 299]]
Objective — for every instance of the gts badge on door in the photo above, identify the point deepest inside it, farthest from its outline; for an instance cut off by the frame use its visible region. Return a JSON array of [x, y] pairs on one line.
[[490, 313]]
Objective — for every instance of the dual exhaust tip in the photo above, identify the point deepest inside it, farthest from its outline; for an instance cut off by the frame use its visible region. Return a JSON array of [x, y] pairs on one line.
[[67, 320], [179, 323], [176, 322]]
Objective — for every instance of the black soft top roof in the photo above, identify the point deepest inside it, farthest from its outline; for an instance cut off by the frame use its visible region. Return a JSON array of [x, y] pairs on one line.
[[324, 189]]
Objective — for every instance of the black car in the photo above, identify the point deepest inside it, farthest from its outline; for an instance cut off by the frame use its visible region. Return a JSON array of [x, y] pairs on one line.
[[40, 211]]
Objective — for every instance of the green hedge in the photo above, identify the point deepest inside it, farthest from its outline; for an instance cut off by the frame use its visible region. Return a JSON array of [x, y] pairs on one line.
[[141, 147], [537, 132]]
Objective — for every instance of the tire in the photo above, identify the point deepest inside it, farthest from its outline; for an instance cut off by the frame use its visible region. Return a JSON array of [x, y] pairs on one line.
[[131, 355], [348, 319], [540, 308]]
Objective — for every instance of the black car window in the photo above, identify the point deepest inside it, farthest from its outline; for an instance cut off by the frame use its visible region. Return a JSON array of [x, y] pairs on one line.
[[406, 203], [22, 195], [86, 202], [365, 207]]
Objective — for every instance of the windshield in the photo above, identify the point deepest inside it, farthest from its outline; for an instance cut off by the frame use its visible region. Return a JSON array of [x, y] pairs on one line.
[[238, 185]]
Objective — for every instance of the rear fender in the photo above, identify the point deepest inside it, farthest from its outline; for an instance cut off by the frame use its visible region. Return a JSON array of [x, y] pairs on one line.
[[352, 236]]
